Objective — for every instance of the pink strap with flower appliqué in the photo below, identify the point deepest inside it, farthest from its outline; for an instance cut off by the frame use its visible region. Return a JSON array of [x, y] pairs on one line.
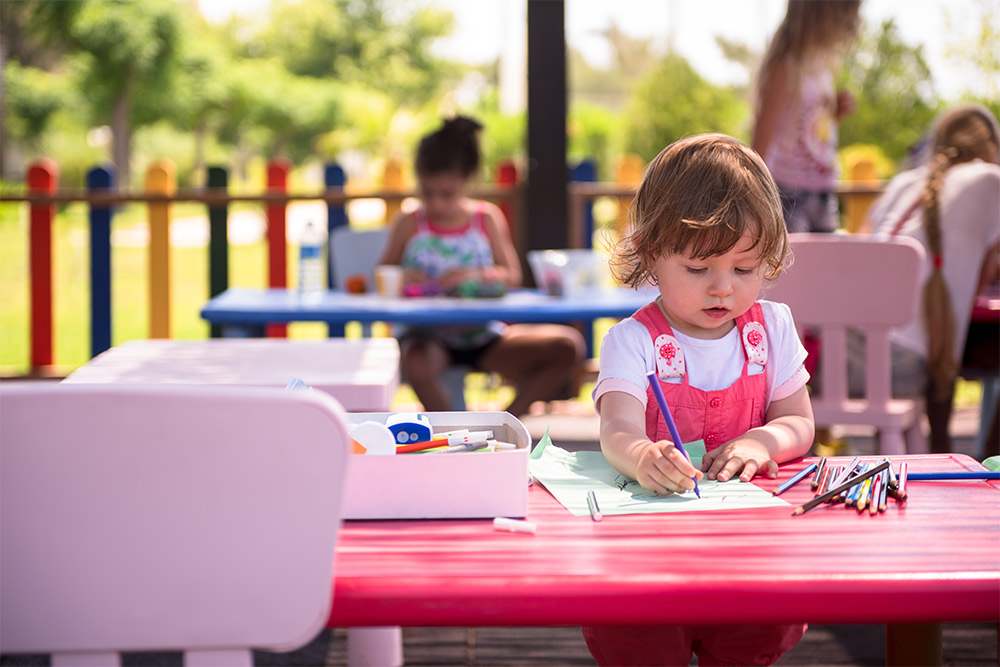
[[713, 416]]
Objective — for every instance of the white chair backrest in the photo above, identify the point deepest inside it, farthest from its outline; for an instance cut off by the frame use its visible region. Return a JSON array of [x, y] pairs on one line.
[[856, 280], [838, 282], [198, 519], [355, 252]]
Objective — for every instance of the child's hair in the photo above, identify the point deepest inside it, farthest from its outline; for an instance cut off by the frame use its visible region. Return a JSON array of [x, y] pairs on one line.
[[961, 134], [700, 196], [454, 147], [811, 29]]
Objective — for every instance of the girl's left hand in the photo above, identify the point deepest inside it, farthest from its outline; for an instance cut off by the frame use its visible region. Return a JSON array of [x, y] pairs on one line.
[[743, 457]]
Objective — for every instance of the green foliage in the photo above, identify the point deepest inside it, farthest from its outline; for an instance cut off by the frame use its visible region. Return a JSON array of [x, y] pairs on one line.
[[33, 96], [595, 132], [895, 94], [674, 101], [358, 41]]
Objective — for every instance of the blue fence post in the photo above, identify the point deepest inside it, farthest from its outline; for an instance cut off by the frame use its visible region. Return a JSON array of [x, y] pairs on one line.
[[586, 171], [336, 216], [100, 179], [218, 240]]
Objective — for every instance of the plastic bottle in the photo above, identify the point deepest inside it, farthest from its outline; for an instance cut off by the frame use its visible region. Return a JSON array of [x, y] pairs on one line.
[[312, 278]]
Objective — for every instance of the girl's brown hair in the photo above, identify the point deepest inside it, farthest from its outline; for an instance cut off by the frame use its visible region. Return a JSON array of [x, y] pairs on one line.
[[700, 196], [961, 134], [454, 147]]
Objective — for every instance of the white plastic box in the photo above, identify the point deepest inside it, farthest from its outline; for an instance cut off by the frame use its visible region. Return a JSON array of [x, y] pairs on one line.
[[463, 485]]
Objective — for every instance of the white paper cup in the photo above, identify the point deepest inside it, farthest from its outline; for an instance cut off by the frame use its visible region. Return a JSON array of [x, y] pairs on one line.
[[389, 280]]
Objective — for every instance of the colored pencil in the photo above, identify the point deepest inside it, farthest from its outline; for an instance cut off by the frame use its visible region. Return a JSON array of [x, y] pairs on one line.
[[933, 476], [884, 491], [654, 384], [795, 479], [876, 493], [819, 473], [901, 491], [834, 491], [864, 496]]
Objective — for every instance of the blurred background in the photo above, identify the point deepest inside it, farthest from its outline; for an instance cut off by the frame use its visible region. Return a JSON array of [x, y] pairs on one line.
[[357, 82]]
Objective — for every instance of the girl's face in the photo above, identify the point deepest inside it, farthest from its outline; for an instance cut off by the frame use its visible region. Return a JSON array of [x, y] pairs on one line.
[[703, 297], [442, 194]]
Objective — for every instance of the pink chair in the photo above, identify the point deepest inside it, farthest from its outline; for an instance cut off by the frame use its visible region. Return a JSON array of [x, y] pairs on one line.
[[838, 282], [197, 519]]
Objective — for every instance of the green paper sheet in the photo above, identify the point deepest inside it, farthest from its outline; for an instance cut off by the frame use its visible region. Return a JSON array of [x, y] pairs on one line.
[[569, 475]]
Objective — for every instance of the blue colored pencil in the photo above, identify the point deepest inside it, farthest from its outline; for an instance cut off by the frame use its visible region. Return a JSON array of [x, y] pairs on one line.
[[985, 474], [784, 486], [654, 383]]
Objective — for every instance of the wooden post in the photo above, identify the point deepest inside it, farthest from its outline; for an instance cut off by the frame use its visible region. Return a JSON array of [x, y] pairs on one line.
[[161, 179], [581, 232], [277, 244], [42, 178], [100, 179], [218, 240]]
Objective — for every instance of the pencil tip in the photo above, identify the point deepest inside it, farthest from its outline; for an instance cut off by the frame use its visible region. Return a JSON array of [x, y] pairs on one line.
[[798, 511]]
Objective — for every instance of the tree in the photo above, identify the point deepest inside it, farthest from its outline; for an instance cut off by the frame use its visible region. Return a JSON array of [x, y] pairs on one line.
[[674, 101], [895, 93], [358, 41]]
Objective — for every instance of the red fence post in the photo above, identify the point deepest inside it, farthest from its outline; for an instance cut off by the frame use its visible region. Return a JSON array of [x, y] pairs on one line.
[[277, 182], [43, 178], [507, 175]]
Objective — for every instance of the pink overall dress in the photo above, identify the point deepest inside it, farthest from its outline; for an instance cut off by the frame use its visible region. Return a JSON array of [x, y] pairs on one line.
[[715, 417]]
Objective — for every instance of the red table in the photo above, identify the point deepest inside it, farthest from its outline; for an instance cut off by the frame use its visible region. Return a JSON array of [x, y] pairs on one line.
[[935, 558]]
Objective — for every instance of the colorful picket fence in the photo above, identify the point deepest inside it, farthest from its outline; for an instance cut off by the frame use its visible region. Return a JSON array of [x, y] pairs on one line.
[[42, 195]]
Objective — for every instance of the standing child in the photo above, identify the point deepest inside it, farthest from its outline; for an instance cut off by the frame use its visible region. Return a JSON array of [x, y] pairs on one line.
[[707, 229], [451, 240], [798, 109]]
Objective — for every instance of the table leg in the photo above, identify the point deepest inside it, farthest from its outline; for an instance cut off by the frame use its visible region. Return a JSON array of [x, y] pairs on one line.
[[375, 647], [913, 644]]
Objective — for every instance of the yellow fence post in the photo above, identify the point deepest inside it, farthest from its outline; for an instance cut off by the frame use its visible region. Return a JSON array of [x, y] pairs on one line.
[[628, 171], [392, 180], [856, 204], [161, 179]]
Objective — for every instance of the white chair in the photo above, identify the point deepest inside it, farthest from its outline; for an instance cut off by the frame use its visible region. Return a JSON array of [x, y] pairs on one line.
[[356, 252], [197, 519], [837, 282]]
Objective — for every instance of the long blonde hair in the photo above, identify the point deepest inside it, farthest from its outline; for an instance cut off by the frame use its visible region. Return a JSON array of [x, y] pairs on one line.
[[701, 195], [810, 30], [961, 134]]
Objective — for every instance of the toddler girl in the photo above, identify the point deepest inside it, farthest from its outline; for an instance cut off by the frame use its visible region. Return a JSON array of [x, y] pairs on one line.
[[707, 229]]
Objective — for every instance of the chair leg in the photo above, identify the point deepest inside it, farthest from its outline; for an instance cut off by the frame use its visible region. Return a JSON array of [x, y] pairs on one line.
[[891, 443], [375, 647], [916, 442]]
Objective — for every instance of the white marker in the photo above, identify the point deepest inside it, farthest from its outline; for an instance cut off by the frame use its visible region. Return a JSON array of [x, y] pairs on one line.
[[513, 525]]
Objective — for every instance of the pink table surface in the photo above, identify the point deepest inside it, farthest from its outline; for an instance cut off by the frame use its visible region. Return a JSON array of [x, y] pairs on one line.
[[934, 558]]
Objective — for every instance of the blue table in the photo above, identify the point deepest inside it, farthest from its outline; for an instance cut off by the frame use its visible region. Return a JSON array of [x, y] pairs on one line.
[[245, 312]]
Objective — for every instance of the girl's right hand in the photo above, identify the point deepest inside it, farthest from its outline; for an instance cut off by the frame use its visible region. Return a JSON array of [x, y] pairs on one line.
[[662, 469]]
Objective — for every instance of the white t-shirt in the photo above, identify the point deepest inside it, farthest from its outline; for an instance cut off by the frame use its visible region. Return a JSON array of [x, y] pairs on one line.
[[627, 355], [970, 225]]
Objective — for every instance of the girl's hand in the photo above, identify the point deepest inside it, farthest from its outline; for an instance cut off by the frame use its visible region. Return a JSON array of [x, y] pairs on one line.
[[663, 469], [415, 277], [741, 456]]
